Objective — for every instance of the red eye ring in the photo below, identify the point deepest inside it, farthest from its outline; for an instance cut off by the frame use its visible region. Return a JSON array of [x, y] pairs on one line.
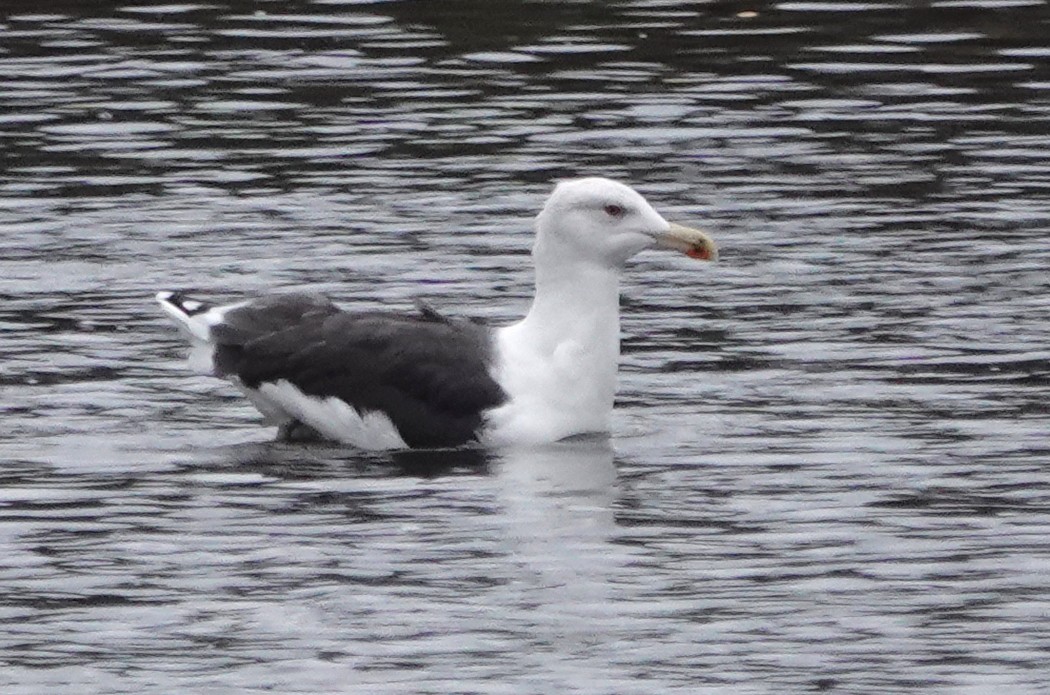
[[613, 210]]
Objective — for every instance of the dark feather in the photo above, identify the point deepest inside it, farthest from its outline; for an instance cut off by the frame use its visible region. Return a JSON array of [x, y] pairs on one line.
[[428, 373]]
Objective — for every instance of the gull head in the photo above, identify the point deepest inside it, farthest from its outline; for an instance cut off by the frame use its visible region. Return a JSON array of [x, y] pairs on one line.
[[604, 222]]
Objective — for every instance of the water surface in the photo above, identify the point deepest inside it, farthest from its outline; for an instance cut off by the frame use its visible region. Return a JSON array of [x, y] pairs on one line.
[[828, 465]]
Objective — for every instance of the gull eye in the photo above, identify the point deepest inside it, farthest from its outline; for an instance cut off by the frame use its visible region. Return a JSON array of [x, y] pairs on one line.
[[614, 210]]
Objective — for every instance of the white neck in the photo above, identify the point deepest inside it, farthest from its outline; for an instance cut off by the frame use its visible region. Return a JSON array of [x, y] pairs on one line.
[[558, 365], [575, 301]]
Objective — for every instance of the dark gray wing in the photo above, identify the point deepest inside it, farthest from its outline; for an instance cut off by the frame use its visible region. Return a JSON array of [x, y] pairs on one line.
[[428, 374]]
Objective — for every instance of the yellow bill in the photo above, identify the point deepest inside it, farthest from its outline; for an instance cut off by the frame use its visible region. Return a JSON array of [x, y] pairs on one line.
[[691, 242]]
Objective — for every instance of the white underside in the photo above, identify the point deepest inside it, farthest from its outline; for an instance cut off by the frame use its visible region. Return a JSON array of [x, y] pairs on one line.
[[332, 417], [282, 403]]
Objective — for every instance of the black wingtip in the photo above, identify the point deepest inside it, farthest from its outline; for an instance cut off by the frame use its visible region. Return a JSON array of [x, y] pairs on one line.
[[182, 302]]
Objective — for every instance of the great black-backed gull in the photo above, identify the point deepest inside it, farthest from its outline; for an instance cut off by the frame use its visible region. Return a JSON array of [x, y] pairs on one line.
[[388, 381]]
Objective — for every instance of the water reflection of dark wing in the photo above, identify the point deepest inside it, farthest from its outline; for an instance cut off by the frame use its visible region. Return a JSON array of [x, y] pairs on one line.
[[428, 374]]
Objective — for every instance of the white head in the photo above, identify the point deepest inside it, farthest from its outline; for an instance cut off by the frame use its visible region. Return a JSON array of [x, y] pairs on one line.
[[596, 220]]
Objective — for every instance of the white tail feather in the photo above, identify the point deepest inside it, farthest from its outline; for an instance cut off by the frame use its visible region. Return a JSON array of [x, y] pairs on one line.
[[193, 325], [196, 325]]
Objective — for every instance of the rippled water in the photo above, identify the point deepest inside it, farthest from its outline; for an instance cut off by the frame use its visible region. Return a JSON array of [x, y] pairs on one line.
[[829, 465]]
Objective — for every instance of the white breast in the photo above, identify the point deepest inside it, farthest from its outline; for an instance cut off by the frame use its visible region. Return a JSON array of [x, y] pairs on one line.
[[555, 390]]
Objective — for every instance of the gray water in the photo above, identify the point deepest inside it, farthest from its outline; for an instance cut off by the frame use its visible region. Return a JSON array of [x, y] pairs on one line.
[[829, 464]]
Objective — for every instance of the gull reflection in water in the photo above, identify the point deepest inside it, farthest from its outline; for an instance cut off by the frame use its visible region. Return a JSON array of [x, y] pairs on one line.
[[558, 527]]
